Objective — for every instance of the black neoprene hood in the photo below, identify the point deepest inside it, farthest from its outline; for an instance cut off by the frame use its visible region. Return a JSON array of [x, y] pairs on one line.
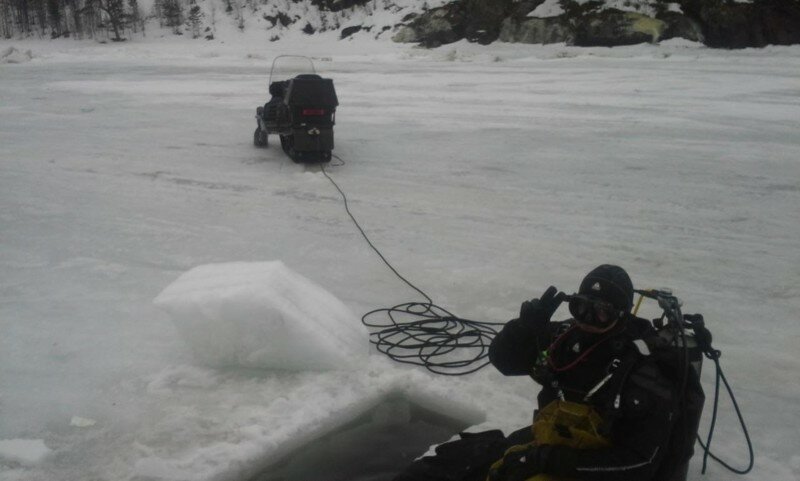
[[609, 283]]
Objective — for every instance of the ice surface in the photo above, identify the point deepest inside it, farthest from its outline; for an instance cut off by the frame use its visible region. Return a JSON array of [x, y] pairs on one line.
[[484, 173], [26, 452], [263, 315], [81, 422]]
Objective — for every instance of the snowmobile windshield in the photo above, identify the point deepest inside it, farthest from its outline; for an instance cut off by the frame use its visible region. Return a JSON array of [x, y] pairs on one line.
[[286, 67]]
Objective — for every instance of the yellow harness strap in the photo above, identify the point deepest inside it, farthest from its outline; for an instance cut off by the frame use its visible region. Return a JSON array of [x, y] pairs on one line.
[[563, 423]]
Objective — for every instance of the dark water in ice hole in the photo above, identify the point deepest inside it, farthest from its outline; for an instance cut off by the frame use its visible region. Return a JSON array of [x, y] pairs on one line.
[[375, 446]]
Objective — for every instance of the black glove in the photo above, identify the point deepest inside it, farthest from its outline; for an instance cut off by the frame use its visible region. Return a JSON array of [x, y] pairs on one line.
[[521, 464], [536, 313]]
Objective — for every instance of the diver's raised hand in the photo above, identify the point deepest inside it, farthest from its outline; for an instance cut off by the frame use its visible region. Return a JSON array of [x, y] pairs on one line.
[[536, 313]]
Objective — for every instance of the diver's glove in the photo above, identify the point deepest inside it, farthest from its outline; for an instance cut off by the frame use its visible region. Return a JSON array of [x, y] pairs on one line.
[[536, 313], [521, 463]]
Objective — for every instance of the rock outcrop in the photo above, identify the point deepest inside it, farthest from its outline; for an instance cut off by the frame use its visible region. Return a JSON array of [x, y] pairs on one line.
[[537, 30], [729, 24], [717, 23]]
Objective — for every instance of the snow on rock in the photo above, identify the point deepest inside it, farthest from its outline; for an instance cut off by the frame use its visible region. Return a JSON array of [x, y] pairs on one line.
[[12, 55], [26, 452], [548, 8], [646, 7], [262, 315]]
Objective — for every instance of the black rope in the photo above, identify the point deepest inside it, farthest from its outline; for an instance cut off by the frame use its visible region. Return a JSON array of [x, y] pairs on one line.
[[339, 159], [714, 355], [422, 333]]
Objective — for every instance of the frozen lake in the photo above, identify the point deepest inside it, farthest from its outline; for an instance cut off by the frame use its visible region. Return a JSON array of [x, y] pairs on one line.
[[485, 174]]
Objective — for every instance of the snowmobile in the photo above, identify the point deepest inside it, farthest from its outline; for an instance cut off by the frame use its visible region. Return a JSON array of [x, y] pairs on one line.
[[301, 111]]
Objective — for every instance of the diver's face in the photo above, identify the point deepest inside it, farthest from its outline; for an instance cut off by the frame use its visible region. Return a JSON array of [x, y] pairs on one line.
[[594, 315]]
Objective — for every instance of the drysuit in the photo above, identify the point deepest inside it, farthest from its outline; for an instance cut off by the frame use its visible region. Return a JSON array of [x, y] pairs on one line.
[[607, 411], [638, 406]]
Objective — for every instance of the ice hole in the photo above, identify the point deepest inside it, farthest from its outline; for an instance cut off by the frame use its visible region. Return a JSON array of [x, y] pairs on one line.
[[375, 445]]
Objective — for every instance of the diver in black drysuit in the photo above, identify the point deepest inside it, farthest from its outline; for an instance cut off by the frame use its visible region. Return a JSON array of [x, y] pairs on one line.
[[589, 359], [593, 353]]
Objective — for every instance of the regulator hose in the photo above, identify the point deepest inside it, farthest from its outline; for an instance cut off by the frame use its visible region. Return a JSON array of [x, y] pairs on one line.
[[714, 355]]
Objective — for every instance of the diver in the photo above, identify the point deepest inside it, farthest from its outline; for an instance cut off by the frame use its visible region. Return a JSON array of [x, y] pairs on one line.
[[606, 410], [620, 398]]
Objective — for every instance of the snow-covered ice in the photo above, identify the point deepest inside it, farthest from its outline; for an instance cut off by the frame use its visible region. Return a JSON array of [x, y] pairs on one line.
[[81, 422], [484, 173], [24, 452]]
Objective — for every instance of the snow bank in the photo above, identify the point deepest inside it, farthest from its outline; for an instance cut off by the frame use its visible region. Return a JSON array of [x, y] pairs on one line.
[[26, 452], [12, 55], [262, 315]]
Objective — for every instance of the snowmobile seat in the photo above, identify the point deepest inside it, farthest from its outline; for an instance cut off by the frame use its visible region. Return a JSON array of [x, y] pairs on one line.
[[311, 92]]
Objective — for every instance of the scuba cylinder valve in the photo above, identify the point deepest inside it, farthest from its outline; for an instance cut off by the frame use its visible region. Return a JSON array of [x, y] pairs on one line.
[[686, 333]]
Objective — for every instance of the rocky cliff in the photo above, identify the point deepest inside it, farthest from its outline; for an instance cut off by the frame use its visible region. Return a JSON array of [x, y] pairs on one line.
[[717, 23]]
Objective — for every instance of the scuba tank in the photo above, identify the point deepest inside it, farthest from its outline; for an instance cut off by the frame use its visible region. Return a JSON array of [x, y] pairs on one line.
[[687, 342], [683, 341], [678, 346]]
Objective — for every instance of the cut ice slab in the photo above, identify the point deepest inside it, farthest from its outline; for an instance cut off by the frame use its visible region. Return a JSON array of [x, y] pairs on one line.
[[375, 444], [262, 315]]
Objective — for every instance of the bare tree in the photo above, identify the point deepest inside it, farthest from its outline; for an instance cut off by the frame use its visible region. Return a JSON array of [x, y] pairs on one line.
[[194, 19], [172, 10], [6, 22], [54, 15], [22, 16], [135, 16], [115, 13]]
